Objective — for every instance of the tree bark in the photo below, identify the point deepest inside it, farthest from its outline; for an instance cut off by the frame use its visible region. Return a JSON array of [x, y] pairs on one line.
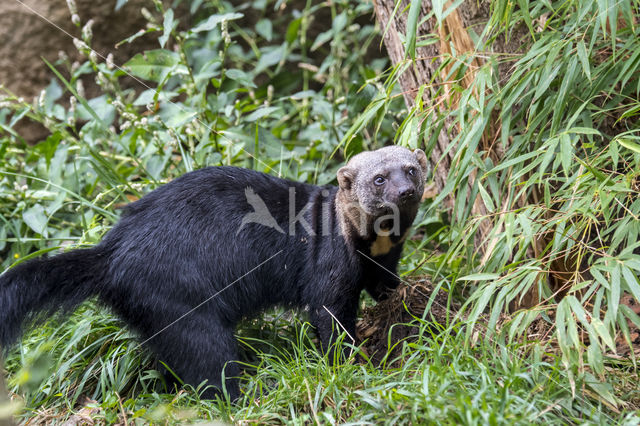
[[428, 59], [453, 41]]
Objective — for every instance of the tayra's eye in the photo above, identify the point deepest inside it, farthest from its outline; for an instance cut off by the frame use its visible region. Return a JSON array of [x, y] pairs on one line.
[[411, 171], [379, 180]]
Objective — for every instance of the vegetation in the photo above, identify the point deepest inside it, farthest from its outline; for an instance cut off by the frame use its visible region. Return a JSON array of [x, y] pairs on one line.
[[293, 88], [546, 144]]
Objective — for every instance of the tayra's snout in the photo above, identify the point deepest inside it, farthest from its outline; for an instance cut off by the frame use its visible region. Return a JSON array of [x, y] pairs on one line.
[[406, 192]]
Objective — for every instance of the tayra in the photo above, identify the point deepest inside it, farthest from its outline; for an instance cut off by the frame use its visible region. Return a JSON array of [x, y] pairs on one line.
[[189, 260]]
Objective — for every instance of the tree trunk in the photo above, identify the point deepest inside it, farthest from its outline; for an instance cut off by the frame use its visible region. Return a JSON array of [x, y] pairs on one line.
[[425, 66], [454, 40]]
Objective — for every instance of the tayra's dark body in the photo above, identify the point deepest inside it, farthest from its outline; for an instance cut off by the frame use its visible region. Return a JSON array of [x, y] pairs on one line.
[[184, 265]]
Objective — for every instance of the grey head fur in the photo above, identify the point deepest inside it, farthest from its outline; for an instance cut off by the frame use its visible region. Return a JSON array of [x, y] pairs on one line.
[[374, 183]]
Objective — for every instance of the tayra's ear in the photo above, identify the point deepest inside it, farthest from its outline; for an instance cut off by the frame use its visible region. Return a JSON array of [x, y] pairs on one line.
[[345, 178], [422, 160]]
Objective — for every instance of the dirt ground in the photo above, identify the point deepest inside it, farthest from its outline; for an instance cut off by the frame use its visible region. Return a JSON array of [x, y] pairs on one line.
[[391, 321]]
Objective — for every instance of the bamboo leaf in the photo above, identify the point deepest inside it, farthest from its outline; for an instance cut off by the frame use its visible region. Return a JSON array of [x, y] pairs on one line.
[[631, 281], [584, 59], [412, 29], [479, 277], [629, 144], [519, 159]]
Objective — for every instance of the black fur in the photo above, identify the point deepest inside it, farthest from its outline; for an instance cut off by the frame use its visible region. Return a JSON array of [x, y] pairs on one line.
[[179, 245]]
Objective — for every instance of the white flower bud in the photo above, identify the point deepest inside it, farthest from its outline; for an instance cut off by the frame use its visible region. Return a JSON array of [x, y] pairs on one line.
[[72, 111], [73, 9], [146, 14], [224, 29], [87, 32], [110, 64], [41, 99], [80, 45], [80, 88]]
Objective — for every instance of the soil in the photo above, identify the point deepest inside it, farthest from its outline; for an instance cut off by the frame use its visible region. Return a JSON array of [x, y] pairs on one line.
[[396, 320], [36, 29]]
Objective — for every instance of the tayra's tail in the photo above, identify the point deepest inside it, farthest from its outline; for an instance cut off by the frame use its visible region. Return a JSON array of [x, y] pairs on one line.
[[40, 287]]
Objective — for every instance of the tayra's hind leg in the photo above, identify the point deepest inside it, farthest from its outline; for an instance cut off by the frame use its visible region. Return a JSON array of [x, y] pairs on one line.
[[198, 349]]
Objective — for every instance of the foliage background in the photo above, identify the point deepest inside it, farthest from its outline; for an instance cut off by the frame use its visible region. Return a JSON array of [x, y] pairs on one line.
[[293, 88]]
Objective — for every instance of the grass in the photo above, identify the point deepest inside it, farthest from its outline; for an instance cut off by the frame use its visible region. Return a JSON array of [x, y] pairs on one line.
[[89, 361]]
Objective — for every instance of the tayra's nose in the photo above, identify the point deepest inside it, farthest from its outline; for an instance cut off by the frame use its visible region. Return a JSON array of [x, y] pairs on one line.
[[406, 192]]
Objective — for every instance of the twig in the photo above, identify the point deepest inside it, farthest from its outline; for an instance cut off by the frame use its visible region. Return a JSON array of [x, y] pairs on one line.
[[313, 409], [124, 413]]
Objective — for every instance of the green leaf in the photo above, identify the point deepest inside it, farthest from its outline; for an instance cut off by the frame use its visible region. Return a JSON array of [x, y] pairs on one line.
[[168, 26], [632, 282], [213, 22], [519, 159], [603, 390], [566, 153], [629, 144], [438, 9], [36, 219], [483, 294], [305, 94], [271, 56], [292, 31], [177, 115], [80, 99], [154, 65], [595, 358], [322, 39], [412, 28], [264, 27], [261, 112], [479, 277], [149, 96], [135, 36], [603, 333], [99, 106], [240, 76], [584, 59], [585, 131]]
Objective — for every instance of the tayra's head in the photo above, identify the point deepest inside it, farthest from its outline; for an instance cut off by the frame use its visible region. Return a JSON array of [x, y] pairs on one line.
[[388, 176], [382, 182]]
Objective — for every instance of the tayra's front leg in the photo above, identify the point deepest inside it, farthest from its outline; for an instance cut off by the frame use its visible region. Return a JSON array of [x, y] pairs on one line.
[[331, 319], [380, 274]]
